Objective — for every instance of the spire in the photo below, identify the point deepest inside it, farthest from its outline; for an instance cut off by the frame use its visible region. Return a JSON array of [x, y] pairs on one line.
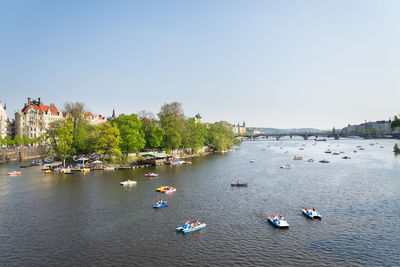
[[113, 114]]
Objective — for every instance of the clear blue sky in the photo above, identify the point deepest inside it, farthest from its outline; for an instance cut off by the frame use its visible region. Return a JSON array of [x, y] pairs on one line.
[[270, 63]]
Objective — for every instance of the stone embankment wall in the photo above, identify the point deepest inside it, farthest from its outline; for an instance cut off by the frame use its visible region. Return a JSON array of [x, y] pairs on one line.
[[19, 154]]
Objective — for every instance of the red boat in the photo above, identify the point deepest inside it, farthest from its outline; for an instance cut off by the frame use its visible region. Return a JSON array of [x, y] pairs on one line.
[[13, 173]]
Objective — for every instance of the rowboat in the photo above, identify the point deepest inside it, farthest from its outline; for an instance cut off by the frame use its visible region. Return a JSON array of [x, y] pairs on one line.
[[278, 221], [151, 174], [187, 229], [324, 161], [312, 213], [239, 184], [13, 173], [298, 158], [157, 205]]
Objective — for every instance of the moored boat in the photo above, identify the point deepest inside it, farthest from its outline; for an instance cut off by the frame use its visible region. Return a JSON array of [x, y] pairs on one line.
[[85, 170], [278, 221], [14, 172], [312, 213]]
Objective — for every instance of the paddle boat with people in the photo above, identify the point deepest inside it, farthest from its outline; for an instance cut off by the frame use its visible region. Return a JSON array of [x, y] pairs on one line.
[[160, 204], [286, 166], [191, 227], [14, 173], [161, 188], [239, 184], [310, 160], [128, 183], [168, 189], [151, 174], [312, 213], [278, 221]]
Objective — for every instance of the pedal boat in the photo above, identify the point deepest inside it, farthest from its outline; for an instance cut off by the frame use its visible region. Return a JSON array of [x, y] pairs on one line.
[[282, 223], [163, 204], [286, 166], [13, 173], [161, 188], [168, 189], [128, 182], [187, 229], [312, 214]]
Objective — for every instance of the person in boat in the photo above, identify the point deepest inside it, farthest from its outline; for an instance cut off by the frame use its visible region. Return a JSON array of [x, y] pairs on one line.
[[233, 182], [307, 210], [313, 209], [238, 182], [196, 223]]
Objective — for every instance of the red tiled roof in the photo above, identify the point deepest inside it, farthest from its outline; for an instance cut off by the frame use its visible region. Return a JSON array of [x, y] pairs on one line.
[[42, 108]]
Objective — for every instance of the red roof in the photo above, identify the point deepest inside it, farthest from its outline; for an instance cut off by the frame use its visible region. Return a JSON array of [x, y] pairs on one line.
[[41, 108]]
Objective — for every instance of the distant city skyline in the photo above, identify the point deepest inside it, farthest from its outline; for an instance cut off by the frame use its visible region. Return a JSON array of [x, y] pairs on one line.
[[292, 64]]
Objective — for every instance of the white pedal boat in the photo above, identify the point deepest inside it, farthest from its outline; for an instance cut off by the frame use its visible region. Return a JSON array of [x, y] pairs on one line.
[[278, 223], [128, 182], [312, 214]]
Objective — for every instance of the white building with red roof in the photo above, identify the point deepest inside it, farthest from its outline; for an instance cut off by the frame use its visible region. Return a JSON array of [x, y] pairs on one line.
[[95, 119], [35, 117]]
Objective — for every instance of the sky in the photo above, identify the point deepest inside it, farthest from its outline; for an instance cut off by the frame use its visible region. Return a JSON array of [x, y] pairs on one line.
[[281, 64]]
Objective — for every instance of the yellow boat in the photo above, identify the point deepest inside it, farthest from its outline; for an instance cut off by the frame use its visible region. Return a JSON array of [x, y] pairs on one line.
[[85, 170], [47, 171], [161, 188]]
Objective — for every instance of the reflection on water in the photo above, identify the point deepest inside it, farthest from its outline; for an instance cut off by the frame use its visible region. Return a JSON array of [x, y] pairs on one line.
[[89, 218]]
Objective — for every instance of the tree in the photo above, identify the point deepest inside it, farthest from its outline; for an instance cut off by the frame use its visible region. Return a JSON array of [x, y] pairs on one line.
[[194, 135], [173, 123], [76, 113], [131, 132], [8, 141], [108, 140], [59, 136], [18, 140], [2, 141], [220, 136], [395, 123], [153, 135], [26, 140]]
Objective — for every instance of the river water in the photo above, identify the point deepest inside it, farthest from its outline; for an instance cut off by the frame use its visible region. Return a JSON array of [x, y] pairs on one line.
[[89, 219]]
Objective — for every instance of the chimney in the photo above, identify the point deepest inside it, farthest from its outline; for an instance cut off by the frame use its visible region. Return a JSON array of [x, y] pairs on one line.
[[29, 101]]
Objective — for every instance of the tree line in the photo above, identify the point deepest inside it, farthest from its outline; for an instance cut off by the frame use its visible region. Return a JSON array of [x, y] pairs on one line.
[[394, 125], [133, 133]]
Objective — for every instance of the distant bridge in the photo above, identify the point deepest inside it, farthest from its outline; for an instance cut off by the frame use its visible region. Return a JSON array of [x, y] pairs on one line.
[[306, 136]]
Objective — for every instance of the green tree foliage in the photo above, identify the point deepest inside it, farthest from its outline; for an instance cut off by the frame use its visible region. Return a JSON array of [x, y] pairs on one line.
[[131, 132], [194, 135], [2, 141], [8, 141], [395, 123], [396, 149], [60, 138], [153, 135], [108, 139], [18, 140], [172, 122], [26, 140], [220, 136], [75, 113]]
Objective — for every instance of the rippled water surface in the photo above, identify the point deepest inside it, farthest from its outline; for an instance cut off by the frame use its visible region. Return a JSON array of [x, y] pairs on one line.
[[89, 219]]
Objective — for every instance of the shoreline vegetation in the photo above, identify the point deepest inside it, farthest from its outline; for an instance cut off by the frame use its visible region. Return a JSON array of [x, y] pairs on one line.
[[118, 141], [394, 125]]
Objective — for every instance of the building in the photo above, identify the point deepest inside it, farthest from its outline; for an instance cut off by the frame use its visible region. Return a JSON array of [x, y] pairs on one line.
[[238, 130], [3, 120], [34, 118], [11, 128], [95, 119], [380, 127], [197, 118]]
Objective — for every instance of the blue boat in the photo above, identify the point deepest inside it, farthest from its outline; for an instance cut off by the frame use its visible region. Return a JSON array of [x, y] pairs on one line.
[[163, 204], [324, 161], [187, 229]]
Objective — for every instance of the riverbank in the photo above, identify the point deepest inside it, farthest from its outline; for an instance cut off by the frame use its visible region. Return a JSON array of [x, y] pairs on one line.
[[19, 154]]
